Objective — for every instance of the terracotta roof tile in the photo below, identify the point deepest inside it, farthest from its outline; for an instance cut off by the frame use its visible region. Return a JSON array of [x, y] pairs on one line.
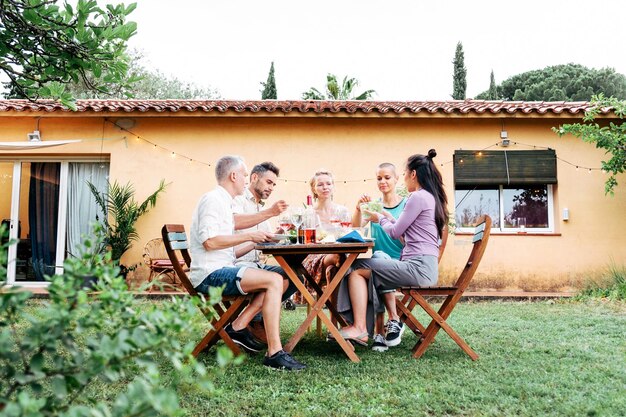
[[300, 106]]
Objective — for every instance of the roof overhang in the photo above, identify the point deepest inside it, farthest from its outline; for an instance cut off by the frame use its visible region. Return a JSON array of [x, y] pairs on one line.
[[301, 109]]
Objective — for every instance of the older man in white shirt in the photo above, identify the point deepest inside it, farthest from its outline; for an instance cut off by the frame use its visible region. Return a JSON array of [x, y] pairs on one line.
[[212, 247]]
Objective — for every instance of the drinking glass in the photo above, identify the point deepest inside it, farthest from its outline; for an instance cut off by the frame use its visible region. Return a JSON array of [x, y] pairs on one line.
[[297, 215], [345, 218], [335, 217], [521, 223], [284, 221]]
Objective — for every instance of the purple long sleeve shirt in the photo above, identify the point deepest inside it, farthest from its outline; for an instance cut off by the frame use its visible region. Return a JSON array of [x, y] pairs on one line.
[[417, 225]]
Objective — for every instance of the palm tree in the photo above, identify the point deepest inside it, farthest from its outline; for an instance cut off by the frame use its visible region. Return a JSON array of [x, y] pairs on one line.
[[334, 91], [122, 212]]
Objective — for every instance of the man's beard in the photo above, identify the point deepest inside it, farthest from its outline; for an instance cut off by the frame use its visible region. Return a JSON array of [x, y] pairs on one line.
[[260, 193]]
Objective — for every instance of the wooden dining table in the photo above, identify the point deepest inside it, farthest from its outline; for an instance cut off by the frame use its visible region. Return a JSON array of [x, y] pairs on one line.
[[290, 258]]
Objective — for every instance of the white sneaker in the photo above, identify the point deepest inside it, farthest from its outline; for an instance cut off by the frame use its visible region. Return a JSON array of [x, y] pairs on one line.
[[379, 343], [393, 333]]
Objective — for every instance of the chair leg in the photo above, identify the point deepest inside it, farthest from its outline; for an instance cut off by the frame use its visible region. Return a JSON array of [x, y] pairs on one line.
[[318, 327], [439, 322], [409, 319], [217, 327], [379, 325], [150, 278]]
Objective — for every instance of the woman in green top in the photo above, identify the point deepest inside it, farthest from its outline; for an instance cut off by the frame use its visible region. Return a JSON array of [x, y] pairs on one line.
[[384, 245]]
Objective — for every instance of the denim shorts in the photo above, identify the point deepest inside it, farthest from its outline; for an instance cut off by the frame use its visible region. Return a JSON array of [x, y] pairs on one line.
[[228, 277]]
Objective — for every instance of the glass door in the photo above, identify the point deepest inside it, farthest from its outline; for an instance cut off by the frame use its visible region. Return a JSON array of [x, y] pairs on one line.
[[38, 220], [6, 191], [48, 208]]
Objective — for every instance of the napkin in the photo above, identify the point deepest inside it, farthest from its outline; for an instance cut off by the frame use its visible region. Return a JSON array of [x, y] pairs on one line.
[[352, 237]]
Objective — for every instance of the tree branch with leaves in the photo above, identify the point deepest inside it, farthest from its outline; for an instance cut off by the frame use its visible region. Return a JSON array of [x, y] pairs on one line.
[[336, 91], [611, 137], [44, 46]]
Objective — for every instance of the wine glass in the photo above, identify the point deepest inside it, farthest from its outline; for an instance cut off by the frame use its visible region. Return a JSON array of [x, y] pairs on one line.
[[284, 221], [297, 215], [344, 218], [335, 217]]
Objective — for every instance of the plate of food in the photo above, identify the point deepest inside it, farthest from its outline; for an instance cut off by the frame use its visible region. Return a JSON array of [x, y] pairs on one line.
[[279, 236]]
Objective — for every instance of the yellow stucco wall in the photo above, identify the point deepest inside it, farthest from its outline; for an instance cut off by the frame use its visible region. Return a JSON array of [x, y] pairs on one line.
[[351, 147]]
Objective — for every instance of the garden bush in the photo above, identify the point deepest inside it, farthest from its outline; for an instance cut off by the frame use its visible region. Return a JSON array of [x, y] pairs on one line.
[[79, 337]]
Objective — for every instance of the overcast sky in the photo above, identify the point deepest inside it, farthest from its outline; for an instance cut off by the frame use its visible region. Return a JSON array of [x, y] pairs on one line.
[[402, 49]]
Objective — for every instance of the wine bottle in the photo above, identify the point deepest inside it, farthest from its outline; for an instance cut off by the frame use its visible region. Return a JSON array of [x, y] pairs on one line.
[[310, 220]]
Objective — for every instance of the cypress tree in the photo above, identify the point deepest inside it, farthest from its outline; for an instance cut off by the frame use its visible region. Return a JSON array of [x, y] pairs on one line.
[[493, 90], [269, 87], [459, 83]]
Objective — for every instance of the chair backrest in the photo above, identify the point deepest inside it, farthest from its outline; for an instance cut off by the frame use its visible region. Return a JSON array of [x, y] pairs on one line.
[[175, 239], [481, 237], [154, 249]]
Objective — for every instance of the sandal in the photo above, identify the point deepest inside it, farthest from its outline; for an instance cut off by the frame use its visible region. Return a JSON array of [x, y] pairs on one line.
[[360, 340]]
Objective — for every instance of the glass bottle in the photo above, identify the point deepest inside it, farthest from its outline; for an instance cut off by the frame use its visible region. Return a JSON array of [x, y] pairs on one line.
[[310, 221]]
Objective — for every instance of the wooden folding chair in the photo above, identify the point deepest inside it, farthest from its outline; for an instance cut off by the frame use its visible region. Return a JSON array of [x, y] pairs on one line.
[[407, 300], [452, 293], [220, 314]]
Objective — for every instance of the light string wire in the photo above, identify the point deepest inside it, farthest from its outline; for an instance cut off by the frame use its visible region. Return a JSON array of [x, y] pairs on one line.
[[172, 153], [175, 154], [577, 166]]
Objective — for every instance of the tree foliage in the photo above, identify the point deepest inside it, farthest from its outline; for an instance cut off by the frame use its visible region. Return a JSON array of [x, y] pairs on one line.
[[336, 91], [459, 76], [269, 87], [570, 82], [53, 360], [611, 137], [493, 92], [493, 89], [44, 46], [147, 84]]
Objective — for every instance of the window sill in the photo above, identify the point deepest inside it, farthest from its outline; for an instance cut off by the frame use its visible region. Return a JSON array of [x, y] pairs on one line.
[[494, 233]]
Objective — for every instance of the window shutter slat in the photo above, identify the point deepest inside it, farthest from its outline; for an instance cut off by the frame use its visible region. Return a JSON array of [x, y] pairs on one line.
[[504, 167]]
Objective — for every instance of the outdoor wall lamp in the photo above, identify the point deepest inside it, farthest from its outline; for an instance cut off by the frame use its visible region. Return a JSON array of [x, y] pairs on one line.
[[505, 138], [34, 136]]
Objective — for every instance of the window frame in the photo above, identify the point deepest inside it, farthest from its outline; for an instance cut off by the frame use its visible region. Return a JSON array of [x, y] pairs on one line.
[[513, 230]]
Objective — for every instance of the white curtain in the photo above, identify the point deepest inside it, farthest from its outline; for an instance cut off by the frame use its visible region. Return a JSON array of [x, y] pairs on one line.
[[82, 210]]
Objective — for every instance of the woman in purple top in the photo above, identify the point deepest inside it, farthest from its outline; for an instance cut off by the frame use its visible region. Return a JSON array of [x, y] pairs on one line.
[[420, 225]]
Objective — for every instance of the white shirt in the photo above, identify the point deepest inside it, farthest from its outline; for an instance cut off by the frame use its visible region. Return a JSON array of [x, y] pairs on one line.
[[246, 204], [212, 217]]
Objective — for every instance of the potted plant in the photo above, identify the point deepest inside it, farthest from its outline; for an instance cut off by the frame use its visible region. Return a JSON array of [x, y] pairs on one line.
[[121, 213]]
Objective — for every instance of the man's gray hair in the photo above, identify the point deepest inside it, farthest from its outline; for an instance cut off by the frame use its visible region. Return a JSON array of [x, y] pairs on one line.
[[226, 165]]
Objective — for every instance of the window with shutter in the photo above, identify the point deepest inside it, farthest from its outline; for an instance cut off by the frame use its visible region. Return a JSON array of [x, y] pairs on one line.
[[513, 187]]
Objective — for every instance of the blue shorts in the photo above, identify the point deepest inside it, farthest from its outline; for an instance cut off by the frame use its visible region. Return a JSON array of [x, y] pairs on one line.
[[228, 277]]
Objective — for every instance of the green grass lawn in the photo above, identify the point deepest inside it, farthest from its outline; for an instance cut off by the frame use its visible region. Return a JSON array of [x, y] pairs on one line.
[[536, 358], [539, 358]]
